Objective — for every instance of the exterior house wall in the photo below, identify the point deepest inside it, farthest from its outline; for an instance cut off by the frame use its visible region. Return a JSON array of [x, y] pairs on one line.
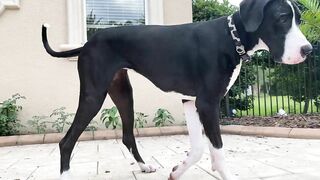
[[177, 11], [49, 83]]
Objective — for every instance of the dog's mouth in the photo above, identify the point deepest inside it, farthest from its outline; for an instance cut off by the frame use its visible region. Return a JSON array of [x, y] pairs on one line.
[[291, 60], [294, 62]]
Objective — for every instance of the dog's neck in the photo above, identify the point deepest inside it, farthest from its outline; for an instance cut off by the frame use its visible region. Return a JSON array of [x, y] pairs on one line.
[[249, 40]]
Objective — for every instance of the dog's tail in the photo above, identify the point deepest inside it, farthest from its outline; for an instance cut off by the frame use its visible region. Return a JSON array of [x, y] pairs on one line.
[[63, 54]]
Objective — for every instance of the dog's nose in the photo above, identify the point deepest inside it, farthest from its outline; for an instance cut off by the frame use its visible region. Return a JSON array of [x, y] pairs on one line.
[[306, 50]]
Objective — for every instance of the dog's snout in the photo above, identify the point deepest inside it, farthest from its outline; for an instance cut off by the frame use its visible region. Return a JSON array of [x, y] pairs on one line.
[[306, 50]]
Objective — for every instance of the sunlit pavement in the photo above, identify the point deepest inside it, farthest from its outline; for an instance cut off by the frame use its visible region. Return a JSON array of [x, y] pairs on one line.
[[249, 158]]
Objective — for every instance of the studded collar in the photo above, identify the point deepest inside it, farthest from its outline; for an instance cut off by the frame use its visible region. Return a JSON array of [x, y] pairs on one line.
[[236, 39]]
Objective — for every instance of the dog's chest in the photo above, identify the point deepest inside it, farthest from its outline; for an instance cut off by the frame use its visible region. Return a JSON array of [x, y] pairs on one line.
[[234, 76]]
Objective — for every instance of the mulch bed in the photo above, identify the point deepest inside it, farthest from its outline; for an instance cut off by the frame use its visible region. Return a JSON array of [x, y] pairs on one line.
[[290, 121]]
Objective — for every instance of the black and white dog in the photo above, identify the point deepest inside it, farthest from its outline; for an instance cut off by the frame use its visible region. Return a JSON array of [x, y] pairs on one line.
[[199, 60]]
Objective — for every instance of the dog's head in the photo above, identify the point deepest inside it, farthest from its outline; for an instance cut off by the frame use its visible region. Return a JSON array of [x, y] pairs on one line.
[[276, 23]]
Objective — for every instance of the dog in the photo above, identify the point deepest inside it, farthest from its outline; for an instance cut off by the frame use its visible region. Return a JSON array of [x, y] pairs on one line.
[[200, 61]]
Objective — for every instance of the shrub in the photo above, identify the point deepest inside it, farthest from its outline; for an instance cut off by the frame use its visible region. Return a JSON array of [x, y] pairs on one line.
[[61, 119], [38, 124], [91, 126], [110, 117], [162, 117], [9, 124], [140, 120]]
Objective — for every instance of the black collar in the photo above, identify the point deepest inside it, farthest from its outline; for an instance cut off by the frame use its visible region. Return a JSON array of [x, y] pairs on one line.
[[236, 39]]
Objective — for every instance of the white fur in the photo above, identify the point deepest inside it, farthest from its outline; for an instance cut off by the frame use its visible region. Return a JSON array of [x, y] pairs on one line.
[[234, 76], [293, 43], [218, 163], [196, 139], [146, 168], [260, 46], [66, 175], [46, 25]]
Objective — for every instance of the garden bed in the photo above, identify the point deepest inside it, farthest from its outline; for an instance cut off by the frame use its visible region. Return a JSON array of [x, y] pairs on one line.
[[290, 121]]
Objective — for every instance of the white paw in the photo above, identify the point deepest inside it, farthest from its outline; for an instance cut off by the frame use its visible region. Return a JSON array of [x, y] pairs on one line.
[[213, 166], [147, 168], [66, 175], [172, 177]]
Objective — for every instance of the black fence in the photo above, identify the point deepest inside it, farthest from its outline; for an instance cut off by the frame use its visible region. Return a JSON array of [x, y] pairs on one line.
[[266, 88]]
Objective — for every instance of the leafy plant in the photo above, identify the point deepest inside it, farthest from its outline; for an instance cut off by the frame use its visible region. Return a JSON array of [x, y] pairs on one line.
[[38, 124], [140, 120], [310, 17], [91, 126], [162, 117], [110, 117], [9, 109], [61, 119]]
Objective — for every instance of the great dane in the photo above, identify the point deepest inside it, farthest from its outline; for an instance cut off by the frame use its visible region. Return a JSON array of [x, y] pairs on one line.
[[199, 60]]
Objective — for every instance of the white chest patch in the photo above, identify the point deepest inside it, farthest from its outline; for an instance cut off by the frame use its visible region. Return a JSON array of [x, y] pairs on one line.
[[234, 76]]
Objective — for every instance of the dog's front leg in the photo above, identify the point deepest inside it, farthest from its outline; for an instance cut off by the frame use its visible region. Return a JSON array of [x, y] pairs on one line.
[[209, 115], [196, 140], [218, 163]]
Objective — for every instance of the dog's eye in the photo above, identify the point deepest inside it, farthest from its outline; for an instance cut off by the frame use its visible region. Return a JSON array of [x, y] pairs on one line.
[[283, 18]]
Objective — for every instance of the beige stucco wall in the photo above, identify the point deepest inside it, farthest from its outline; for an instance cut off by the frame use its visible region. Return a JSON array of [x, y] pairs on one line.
[[177, 11], [49, 83]]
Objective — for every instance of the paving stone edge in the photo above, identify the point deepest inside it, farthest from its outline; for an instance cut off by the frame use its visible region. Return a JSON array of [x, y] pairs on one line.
[[298, 133]]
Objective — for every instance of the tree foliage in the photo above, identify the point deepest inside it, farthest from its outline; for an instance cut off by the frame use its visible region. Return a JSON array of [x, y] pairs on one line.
[[310, 17], [204, 10]]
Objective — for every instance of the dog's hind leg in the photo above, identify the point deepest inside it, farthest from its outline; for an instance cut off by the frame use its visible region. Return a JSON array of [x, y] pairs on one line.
[[208, 109], [94, 82], [121, 94], [196, 140], [89, 105]]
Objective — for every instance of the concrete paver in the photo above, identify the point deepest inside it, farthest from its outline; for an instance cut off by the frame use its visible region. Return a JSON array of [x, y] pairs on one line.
[[249, 158]]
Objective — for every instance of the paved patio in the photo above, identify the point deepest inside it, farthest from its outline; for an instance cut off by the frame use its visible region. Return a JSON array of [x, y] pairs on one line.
[[250, 158]]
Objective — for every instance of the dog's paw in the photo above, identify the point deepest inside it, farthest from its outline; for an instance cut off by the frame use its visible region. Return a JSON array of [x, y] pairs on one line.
[[174, 174], [213, 166], [66, 175], [147, 168], [171, 177]]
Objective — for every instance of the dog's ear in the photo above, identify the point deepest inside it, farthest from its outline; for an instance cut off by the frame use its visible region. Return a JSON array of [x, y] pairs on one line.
[[251, 13]]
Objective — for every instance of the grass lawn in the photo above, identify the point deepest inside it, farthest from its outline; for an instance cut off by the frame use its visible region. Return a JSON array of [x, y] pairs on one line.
[[266, 106]]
